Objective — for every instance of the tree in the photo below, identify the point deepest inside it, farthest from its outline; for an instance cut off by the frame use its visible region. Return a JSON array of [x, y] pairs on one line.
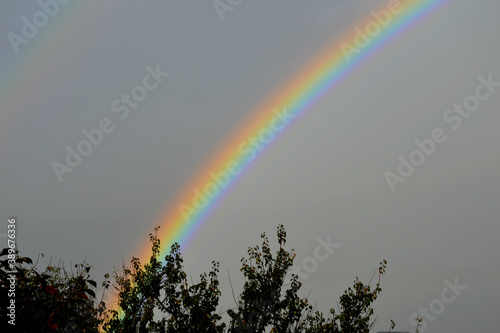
[[49, 301], [142, 289], [56, 300], [264, 304]]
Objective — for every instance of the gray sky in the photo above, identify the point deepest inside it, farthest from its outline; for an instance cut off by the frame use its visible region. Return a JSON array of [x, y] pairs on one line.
[[324, 176]]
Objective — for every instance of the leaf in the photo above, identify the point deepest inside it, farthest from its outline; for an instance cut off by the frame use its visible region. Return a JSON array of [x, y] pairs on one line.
[[90, 292], [25, 259], [4, 252], [93, 283]]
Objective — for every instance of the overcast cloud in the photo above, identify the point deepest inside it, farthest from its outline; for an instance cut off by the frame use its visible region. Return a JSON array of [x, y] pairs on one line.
[[325, 176]]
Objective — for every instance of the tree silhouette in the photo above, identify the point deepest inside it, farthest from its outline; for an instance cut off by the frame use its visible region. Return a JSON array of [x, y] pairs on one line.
[[157, 297], [264, 304], [53, 300]]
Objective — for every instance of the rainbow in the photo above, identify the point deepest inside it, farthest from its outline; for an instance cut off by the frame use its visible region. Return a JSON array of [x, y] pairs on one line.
[[182, 220]]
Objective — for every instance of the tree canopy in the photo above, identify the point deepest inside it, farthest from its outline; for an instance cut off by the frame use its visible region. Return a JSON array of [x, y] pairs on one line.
[[157, 297]]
